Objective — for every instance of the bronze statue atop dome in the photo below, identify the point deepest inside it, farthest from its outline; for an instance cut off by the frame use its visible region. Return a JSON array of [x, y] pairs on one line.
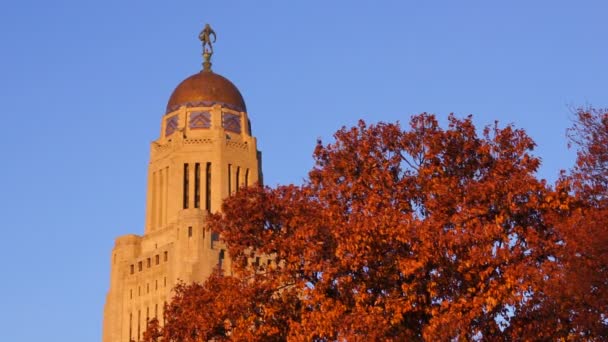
[[205, 37]]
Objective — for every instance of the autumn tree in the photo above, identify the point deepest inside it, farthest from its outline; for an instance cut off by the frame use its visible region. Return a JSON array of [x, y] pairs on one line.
[[589, 134], [575, 299], [583, 294], [400, 234]]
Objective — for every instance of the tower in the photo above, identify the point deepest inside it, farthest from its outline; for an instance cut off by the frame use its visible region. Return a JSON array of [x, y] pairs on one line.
[[204, 154]]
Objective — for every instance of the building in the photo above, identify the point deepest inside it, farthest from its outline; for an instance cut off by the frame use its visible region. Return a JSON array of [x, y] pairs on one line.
[[205, 152]]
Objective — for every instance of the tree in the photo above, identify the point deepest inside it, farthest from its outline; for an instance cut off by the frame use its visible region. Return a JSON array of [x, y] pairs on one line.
[[589, 134], [586, 233], [572, 303], [417, 234]]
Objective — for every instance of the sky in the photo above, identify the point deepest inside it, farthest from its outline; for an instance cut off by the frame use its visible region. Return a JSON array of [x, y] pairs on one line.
[[84, 85]]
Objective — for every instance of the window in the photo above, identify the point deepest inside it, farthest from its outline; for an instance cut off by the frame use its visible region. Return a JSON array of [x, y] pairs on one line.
[[147, 287], [162, 200], [155, 192], [246, 177], [165, 281], [189, 232], [149, 262], [197, 185], [132, 268], [140, 266], [208, 187], [229, 179], [238, 180], [166, 256], [131, 294], [220, 259], [186, 185], [156, 286], [214, 237], [157, 259]]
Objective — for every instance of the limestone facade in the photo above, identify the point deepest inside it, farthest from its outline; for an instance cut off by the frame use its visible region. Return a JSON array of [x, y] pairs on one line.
[[205, 153]]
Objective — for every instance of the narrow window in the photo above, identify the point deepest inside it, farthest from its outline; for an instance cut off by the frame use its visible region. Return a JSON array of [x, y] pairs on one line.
[[166, 256], [214, 237], [161, 191], [165, 193], [147, 315], [156, 286], [139, 290], [189, 232], [138, 326], [220, 259], [131, 294], [197, 185], [154, 200], [132, 268], [186, 181], [140, 266], [157, 259], [149, 262], [156, 311], [147, 287], [238, 179], [208, 187], [165, 281], [229, 179], [246, 177]]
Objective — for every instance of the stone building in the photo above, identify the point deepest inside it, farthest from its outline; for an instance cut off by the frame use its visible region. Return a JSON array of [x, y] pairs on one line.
[[205, 152]]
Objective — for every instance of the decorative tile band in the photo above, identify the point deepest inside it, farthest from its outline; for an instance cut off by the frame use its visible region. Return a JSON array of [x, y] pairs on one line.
[[200, 120], [191, 104], [171, 125], [231, 122]]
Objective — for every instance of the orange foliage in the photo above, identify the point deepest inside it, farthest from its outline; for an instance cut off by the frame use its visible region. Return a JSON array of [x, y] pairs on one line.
[[573, 303], [418, 234]]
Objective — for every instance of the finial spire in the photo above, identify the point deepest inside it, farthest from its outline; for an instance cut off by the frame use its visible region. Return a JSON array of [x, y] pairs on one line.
[[205, 37]]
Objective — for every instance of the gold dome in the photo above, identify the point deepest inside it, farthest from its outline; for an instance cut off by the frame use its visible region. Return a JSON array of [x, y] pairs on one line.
[[206, 88]]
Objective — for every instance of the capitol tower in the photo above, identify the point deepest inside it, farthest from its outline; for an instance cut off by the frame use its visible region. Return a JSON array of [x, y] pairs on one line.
[[205, 152]]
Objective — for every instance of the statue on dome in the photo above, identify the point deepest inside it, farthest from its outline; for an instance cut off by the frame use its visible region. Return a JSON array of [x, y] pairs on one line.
[[205, 37]]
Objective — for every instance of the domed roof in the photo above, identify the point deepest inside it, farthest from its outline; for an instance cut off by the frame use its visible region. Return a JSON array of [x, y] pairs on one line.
[[206, 88]]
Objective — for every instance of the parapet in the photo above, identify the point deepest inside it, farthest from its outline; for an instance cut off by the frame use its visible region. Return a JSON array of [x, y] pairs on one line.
[[126, 240]]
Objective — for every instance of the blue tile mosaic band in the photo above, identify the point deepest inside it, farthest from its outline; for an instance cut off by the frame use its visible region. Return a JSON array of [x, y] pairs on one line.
[[199, 120], [171, 125], [231, 122], [192, 104]]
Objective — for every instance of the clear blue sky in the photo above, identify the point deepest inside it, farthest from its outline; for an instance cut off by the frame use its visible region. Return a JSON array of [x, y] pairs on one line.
[[84, 84]]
